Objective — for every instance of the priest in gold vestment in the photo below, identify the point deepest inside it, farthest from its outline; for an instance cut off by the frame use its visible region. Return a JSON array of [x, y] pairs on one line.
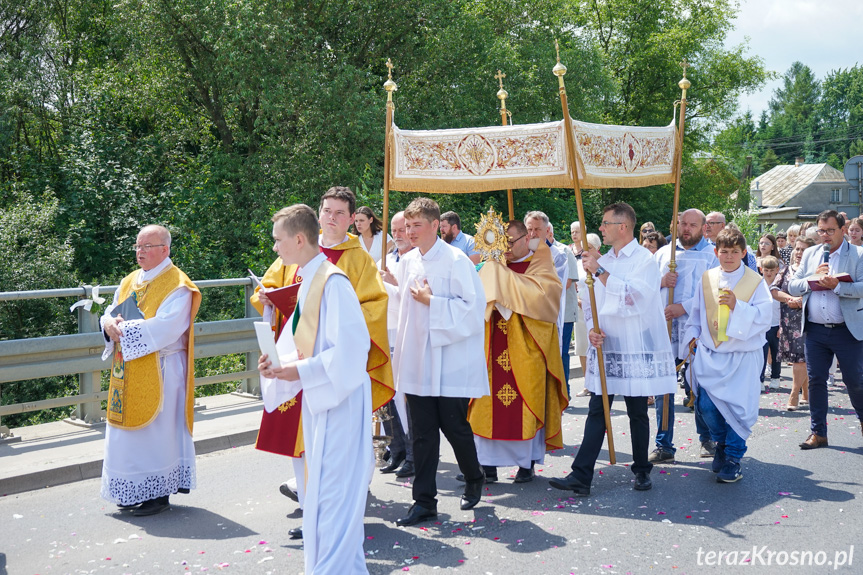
[[520, 420], [149, 453]]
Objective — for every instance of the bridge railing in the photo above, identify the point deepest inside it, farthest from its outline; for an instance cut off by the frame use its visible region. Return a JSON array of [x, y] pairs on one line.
[[81, 353]]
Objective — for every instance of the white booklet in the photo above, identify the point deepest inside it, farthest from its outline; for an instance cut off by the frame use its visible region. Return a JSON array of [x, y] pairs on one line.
[[267, 342]]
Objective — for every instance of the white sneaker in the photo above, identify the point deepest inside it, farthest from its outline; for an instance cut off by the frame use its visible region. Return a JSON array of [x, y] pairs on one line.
[[774, 383], [831, 380]]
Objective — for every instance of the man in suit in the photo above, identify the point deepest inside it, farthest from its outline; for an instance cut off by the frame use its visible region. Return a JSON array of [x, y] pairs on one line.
[[832, 320]]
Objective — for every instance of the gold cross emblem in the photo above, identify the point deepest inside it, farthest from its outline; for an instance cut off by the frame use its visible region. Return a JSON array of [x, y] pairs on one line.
[[507, 394], [501, 325], [503, 361], [287, 405]]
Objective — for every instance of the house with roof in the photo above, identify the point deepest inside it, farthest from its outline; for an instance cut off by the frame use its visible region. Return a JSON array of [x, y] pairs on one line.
[[792, 194]]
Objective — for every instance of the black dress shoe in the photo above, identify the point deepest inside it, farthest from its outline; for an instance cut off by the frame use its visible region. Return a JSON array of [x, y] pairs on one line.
[[524, 475], [184, 490], [472, 494], [416, 514], [295, 533], [394, 464], [125, 507], [642, 481], [406, 470], [152, 507], [571, 483], [490, 475]]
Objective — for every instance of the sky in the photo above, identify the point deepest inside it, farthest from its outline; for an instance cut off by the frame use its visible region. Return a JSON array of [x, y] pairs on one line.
[[825, 35]]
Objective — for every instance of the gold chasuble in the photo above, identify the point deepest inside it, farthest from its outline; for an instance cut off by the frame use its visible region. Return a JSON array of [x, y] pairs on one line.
[[281, 431], [135, 392], [746, 286], [523, 353]]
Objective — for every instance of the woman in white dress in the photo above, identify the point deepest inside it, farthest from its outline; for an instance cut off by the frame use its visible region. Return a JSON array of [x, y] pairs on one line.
[[369, 229]]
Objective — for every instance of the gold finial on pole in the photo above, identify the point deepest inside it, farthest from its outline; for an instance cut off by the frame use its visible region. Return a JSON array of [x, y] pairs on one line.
[[502, 95], [559, 69], [389, 85], [684, 84]]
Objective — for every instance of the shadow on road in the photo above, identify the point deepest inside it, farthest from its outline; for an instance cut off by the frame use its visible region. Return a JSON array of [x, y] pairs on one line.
[[182, 522]]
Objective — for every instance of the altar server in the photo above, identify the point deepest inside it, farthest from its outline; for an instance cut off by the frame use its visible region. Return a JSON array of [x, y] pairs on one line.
[[731, 314], [323, 352]]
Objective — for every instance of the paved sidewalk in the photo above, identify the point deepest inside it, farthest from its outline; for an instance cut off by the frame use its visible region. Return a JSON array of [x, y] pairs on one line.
[[60, 452]]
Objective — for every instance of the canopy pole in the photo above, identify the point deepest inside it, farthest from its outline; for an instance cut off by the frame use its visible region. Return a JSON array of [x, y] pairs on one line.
[[502, 95], [672, 263], [390, 87], [559, 70]]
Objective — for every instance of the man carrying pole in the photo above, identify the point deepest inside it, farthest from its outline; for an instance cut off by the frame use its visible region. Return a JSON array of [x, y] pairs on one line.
[[636, 352]]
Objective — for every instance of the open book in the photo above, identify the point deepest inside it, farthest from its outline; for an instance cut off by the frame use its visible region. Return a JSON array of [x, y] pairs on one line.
[[813, 281]]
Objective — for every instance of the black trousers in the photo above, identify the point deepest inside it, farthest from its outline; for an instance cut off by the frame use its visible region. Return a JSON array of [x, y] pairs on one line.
[[429, 417], [594, 435]]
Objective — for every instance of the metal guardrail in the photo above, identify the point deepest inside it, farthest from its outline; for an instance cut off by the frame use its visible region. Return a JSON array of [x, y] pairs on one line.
[[81, 353]]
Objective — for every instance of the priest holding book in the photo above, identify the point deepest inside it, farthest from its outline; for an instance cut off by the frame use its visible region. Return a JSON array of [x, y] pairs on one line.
[[149, 453]]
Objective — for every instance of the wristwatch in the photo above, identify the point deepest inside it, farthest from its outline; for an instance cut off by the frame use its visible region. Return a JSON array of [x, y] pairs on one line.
[[599, 271]]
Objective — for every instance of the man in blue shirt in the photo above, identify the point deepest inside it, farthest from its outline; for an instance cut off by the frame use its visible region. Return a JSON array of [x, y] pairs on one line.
[[450, 232]]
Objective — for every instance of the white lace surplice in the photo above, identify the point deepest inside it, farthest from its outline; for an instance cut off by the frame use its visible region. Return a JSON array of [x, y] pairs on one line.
[[637, 350], [158, 459]]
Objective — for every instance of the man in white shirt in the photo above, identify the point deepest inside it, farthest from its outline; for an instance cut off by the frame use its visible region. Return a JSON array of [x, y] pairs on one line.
[[439, 355], [538, 228], [401, 460], [694, 255], [634, 340], [832, 320]]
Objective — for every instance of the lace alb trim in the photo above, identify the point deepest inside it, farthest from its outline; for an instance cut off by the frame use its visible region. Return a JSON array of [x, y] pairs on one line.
[[633, 365], [132, 343], [126, 491]]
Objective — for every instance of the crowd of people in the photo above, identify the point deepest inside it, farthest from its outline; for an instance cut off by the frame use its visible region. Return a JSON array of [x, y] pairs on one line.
[[480, 351]]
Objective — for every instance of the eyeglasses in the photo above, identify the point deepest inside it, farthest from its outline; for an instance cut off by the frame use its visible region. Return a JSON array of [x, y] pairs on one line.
[[827, 232], [715, 223], [612, 223], [146, 248], [511, 242]]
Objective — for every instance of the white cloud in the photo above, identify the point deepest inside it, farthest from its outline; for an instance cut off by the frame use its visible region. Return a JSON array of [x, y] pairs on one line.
[[824, 35]]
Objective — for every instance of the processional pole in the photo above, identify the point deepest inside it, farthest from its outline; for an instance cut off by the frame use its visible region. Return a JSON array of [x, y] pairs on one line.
[[559, 70], [678, 171], [390, 87], [502, 95]]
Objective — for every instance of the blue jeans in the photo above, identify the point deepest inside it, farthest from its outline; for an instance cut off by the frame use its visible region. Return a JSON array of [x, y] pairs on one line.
[[564, 352], [822, 343], [665, 439], [772, 345], [720, 431]]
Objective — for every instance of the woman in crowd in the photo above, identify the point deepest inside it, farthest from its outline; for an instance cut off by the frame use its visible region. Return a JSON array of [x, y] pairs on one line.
[[369, 229], [653, 241], [791, 348], [646, 228], [855, 232], [766, 247]]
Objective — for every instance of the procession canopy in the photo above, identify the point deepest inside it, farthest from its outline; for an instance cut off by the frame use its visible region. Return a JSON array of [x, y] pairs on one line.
[[530, 156]]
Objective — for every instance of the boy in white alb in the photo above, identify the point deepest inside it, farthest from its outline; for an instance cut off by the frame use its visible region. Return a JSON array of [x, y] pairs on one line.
[[323, 352], [733, 311]]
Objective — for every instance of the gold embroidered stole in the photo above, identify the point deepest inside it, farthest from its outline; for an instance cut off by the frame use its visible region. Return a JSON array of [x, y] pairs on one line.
[[710, 285], [135, 391], [307, 328]]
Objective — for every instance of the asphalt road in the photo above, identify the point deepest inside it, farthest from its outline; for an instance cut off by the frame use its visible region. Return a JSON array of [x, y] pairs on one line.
[[793, 512]]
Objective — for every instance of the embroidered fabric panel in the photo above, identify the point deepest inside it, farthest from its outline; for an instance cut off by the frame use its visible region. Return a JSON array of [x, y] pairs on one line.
[[132, 343], [128, 491], [633, 365], [627, 156]]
